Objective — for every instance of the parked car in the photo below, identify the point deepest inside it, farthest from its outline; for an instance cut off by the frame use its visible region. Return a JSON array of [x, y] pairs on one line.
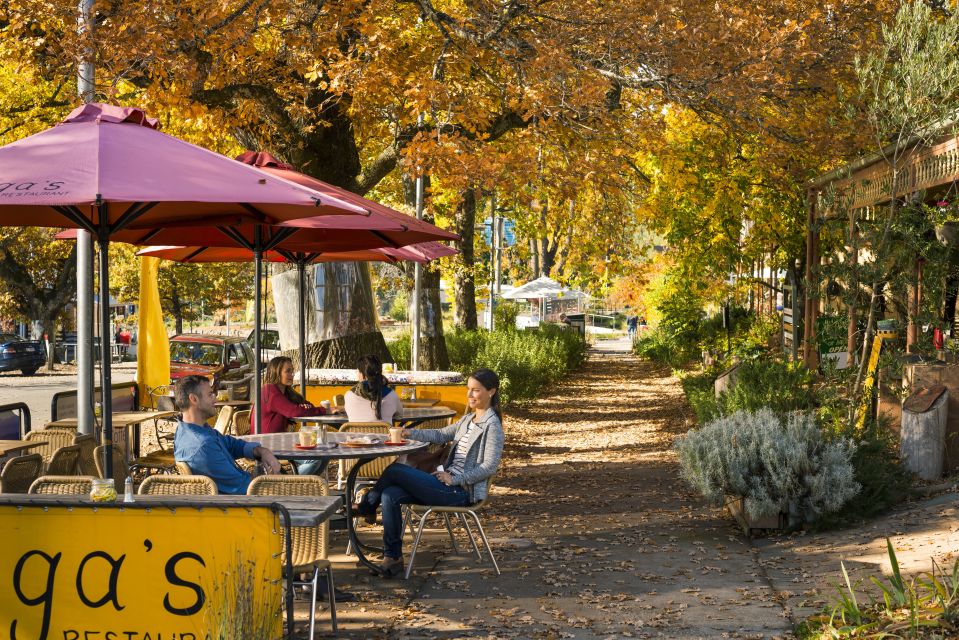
[[269, 343], [17, 353], [226, 360]]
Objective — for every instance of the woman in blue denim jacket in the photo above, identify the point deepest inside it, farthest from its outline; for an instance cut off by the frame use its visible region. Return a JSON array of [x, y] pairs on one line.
[[463, 479]]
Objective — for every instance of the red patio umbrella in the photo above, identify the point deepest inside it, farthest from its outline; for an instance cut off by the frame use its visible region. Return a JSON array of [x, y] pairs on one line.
[[107, 169]]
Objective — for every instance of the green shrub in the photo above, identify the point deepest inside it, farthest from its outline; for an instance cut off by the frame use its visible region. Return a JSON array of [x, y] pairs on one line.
[[885, 483], [774, 384], [504, 315], [658, 346], [463, 346], [525, 361], [399, 308], [402, 351]]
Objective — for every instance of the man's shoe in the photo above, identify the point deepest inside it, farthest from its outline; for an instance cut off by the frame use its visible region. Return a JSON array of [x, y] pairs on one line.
[[368, 518], [391, 567]]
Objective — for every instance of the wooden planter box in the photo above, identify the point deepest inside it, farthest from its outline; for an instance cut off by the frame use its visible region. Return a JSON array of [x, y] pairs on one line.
[[754, 526]]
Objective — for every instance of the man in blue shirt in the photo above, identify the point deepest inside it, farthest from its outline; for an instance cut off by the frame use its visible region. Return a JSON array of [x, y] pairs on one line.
[[206, 450]]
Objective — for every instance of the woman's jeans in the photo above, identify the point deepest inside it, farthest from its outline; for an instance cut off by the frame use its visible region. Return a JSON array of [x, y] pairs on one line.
[[401, 484]]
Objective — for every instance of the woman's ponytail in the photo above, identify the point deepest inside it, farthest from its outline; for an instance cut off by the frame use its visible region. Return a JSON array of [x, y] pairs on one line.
[[372, 369]]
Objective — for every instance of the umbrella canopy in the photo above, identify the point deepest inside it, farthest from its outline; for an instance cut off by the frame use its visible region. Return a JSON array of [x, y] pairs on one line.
[[413, 228], [108, 164], [107, 168], [543, 287]]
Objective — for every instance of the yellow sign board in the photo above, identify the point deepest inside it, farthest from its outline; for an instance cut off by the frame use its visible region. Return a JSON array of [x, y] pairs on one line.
[[78, 573]]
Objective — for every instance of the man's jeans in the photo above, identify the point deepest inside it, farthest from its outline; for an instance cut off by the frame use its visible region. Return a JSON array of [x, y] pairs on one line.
[[401, 484]]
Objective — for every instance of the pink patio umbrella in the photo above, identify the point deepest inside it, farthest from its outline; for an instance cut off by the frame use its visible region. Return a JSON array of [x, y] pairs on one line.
[[422, 253], [107, 169]]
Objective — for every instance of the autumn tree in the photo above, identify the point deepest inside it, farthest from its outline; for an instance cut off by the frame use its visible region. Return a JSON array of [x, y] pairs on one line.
[[352, 92]]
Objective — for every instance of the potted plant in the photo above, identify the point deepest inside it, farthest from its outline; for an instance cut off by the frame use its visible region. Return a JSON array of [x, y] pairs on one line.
[[770, 471]]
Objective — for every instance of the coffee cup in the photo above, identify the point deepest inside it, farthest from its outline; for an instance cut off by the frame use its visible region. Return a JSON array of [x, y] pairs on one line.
[[396, 434], [325, 404], [307, 437]]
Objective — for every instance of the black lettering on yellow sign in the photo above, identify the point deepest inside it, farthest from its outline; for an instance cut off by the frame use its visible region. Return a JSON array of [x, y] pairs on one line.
[[111, 594], [45, 598], [176, 580]]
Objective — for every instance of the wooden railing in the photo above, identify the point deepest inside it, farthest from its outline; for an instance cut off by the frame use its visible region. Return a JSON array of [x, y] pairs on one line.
[[922, 167]]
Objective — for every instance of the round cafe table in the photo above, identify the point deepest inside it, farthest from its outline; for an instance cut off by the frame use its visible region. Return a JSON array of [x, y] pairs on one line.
[[284, 447]]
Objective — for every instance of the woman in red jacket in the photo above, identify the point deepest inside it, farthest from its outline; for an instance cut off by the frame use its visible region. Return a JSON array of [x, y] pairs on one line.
[[281, 402]]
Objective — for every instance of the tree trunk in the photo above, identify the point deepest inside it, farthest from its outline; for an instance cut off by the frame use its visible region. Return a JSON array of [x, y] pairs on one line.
[[464, 283], [340, 315], [433, 355], [48, 327]]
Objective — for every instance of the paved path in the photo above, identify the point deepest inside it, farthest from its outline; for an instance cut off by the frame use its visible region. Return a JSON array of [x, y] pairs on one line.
[[599, 538]]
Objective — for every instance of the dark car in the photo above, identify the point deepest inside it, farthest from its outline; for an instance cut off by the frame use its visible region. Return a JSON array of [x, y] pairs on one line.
[[226, 360], [17, 353]]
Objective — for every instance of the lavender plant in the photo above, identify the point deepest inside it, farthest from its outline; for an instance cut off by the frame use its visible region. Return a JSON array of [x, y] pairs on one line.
[[775, 464]]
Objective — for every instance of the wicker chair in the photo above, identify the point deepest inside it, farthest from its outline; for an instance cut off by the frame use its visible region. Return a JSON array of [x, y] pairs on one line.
[[86, 465], [184, 469], [20, 472], [53, 439], [373, 469], [241, 423], [62, 485], [310, 544], [178, 486], [224, 420], [64, 461], [120, 468], [423, 511]]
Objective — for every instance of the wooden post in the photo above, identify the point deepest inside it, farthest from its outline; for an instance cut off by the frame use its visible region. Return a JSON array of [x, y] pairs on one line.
[[912, 328], [811, 290], [852, 327]]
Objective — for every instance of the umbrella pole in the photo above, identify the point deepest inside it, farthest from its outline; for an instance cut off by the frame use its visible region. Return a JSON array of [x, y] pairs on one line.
[[301, 272], [257, 274], [106, 382]]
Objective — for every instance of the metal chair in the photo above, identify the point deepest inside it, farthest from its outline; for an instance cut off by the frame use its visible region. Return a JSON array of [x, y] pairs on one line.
[[159, 461], [178, 486], [310, 545], [20, 472], [120, 468], [85, 463], [241, 423], [64, 461], [161, 399], [423, 511], [62, 485], [52, 439]]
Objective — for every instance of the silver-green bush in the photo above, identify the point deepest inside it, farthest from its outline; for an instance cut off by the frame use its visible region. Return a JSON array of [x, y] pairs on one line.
[[777, 465]]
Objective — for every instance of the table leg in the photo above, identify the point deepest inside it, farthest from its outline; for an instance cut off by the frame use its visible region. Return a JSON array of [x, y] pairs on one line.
[[358, 547]]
